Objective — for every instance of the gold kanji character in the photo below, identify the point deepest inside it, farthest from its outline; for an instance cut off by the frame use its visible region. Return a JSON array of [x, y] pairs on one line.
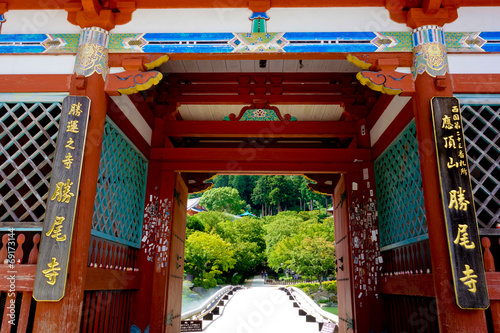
[[449, 142], [463, 171], [463, 237], [457, 199], [72, 126], [468, 279], [69, 144], [456, 125], [55, 231], [452, 163], [75, 109], [461, 154], [456, 117], [51, 272], [63, 192], [447, 122], [454, 109], [67, 161]]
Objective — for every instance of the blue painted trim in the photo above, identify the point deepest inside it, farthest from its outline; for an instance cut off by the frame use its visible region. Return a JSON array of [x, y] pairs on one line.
[[405, 242], [259, 15], [217, 42], [114, 239], [479, 99], [20, 228]]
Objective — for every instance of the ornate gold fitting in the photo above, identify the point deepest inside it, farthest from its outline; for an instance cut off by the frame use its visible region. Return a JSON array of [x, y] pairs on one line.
[[429, 51], [92, 55]]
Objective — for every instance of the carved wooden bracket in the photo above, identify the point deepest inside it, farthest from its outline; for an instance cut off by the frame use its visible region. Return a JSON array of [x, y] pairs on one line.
[[385, 79], [130, 82], [260, 110], [431, 12], [197, 182], [325, 184], [137, 62], [90, 13]]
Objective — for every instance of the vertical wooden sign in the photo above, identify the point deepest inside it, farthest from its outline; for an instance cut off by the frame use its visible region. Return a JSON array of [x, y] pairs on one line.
[[55, 246], [471, 291]]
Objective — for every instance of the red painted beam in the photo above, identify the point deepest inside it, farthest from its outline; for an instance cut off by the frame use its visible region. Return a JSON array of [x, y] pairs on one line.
[[261, 168], [411, 285], [476, 83], [235, 88], [111, 279], [25, 277], [275, 78], [248, 99], [255, 129], [34, 83], [248, 154]]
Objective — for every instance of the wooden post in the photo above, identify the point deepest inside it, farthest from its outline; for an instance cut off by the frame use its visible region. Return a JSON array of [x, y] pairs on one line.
[[434, 80], [141, 307], [65, 315], [160, 275]]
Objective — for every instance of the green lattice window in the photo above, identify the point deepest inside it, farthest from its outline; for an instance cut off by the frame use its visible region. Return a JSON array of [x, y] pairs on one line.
[[399, 190], [482, 137], [121, 185], [27, 145]]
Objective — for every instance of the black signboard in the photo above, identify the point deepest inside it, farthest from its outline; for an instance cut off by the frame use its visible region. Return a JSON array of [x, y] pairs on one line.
[[55, 246], [191, 326], [469, 279]]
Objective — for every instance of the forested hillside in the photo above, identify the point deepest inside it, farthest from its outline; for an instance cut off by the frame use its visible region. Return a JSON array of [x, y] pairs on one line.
[[263, 195]]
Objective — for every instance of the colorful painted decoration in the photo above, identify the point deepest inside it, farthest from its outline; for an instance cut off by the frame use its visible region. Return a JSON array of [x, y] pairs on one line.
[[92, 55], [225, 42], [429, 51], [259, 111]]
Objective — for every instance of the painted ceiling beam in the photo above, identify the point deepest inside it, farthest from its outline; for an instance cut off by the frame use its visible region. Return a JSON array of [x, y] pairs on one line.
[[249, 154], [256, 129], [221, 88], [261, 168], [248, 99], [274, 78]]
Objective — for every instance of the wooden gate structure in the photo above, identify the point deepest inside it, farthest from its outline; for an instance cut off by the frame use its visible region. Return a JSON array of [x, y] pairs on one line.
[[340, 94]]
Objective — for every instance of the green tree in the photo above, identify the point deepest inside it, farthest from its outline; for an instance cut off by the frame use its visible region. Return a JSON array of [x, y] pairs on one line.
[[246, 236], [207, 256], [222, 199], [211, 219]]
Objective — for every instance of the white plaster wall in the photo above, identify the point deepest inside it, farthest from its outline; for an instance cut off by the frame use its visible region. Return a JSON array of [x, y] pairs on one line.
[[236, 20], [476, 19], [37, 64], [38, 22], [467, 63], [133, 115], [390, 113]]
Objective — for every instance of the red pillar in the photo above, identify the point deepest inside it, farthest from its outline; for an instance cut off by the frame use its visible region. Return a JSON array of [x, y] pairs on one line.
[[160, 274], [142, 303], [451, 318], [65, 315]]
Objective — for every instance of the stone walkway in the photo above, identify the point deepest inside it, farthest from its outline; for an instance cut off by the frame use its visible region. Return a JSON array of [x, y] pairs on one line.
[[260, 309]]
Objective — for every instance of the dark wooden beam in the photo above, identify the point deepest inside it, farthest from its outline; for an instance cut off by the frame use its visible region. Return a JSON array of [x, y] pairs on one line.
[[261, 168], [248, 99], [256, 129], [248, 154]]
